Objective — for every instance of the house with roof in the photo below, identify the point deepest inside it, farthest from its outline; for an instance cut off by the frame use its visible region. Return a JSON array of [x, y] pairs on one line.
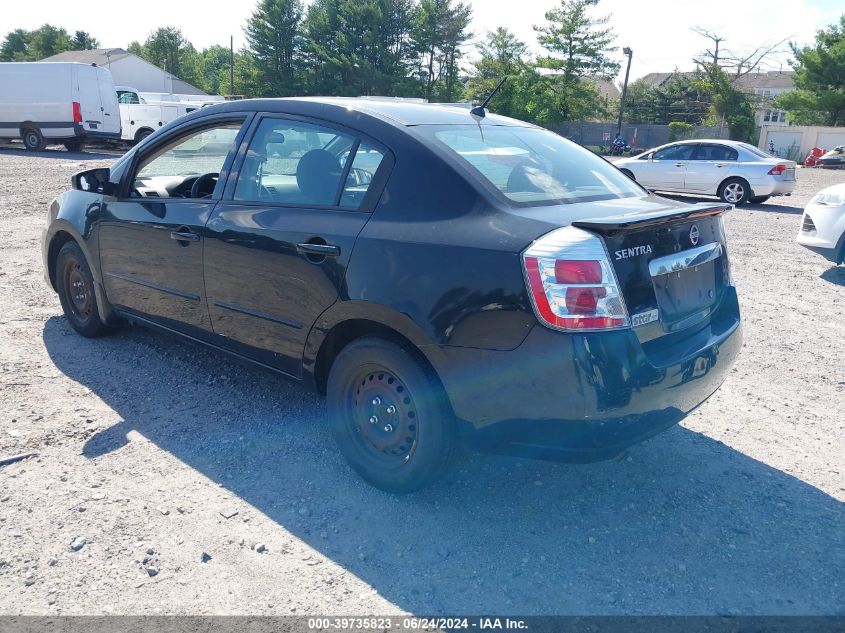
[[765, 86], [128, 69]]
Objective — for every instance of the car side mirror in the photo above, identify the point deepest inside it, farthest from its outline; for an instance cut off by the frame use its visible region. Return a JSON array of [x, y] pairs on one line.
[[93, 181]]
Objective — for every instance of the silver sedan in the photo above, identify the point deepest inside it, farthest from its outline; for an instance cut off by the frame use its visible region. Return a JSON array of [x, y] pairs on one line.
[[735, 172]]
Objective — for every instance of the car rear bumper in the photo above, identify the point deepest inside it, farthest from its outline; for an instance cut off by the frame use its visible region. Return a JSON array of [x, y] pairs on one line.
[[586, 397], [773, 186]]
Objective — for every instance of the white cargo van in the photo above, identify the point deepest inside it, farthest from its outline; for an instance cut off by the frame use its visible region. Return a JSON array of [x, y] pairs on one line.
[[57, 102]]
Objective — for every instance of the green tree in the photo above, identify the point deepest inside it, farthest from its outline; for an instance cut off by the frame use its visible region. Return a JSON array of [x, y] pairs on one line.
[[168, 49], [46, 41], [83, 41], [273, 36], [728, 103], [503, 56], [819, 97], [15, 45], [440, 29], [579, 47]]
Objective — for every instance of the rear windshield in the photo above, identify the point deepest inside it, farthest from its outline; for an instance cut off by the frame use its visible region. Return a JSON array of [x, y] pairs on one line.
[[754, 150], [532, 166]]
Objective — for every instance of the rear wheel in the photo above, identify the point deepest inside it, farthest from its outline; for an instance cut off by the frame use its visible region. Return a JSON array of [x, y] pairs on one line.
[[75, 285], [734, 191], [140, 135], [33, 140], [389, 416], [73, 146], [759, 199]]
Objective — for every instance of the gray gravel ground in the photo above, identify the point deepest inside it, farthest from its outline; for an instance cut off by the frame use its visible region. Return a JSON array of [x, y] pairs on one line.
[[171, 479]]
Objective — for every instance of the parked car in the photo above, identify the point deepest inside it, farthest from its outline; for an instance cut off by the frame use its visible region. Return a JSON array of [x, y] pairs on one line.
[[57, 102], [443, 277], [834, 158], [823, 224], [735, 172]]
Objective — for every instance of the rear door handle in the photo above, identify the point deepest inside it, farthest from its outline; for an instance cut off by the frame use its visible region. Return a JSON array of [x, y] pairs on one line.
[[680, 164], [323, 250], [184, 236]]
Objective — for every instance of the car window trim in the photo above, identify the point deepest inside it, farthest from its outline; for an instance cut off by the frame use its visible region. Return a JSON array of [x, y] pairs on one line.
[[374, 192], [245, 118]]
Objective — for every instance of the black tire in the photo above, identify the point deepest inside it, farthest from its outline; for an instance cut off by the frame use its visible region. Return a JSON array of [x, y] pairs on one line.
[[758, 199], [389, 415], [73, 146], [75, 286], [735, 191], [140, 135], [629, 173], [33, 140]]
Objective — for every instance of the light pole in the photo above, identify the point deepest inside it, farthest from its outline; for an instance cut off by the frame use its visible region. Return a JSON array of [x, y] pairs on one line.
[[630, 53]]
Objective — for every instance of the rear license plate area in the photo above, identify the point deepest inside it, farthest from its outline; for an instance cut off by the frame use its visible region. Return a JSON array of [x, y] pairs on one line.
[[688, 296]]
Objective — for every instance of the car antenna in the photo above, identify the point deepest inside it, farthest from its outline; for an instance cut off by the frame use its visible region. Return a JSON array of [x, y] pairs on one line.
[[481, 109]]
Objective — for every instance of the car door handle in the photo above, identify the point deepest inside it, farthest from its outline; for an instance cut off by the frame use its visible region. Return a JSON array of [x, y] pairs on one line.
[[184, 236], [680, 164], [323, 250]]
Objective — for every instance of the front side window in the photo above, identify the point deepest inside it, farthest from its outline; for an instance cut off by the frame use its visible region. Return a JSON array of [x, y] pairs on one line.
[[675, 152], [173, 170], [531, 166], [297, 163]]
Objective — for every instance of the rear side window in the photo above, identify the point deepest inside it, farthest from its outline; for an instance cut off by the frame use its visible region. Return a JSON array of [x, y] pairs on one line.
[[531, 166], [364, 167], [675, 152], [715, 152], [298, 163]]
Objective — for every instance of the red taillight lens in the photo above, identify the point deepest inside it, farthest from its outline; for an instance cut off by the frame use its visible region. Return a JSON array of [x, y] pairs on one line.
[[577, 272], [77, 112], [777, 170], [572, 282]]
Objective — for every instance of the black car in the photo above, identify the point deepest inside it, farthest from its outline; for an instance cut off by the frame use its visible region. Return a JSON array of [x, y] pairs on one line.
[[445, 277]]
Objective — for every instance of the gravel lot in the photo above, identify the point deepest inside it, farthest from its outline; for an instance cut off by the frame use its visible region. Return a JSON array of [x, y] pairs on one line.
[[171, 479]]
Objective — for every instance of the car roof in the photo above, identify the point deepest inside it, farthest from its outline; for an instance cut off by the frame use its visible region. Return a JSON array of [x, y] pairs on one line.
[[396, 111]]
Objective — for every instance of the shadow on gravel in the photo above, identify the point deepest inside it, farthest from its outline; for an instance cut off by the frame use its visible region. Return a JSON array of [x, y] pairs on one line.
[[61, 154], [835, 275], [771, 205], [687, 525]]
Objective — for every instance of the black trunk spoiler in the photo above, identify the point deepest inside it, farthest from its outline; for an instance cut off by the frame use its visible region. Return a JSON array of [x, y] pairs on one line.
[[633, 221]]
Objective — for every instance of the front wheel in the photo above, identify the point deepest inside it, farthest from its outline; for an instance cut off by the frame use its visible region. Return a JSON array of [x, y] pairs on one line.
[[734, 191], [389, 416], [75, 285]]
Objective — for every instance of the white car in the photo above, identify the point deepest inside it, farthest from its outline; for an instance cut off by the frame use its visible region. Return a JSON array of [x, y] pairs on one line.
[[735, 172], [823, 224]]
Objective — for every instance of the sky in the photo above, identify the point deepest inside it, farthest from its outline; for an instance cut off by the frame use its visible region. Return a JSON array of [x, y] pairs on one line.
[[658, 31]]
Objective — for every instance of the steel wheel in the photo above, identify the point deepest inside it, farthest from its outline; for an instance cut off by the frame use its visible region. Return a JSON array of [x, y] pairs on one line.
[[75, 286], [385, 417], [389, 414]]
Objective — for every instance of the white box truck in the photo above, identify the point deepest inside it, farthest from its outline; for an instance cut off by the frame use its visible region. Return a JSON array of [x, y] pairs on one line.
[[57, 102]]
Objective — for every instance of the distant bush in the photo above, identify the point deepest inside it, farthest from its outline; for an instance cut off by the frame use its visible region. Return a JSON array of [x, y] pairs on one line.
[[679, 131]]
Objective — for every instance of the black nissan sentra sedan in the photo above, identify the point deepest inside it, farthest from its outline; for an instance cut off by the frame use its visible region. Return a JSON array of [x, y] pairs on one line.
[[443, 276]]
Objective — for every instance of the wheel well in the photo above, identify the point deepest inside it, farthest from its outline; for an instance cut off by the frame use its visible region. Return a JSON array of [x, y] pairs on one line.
[[140, 131], [343, 334], [744, 181], [59, 239]]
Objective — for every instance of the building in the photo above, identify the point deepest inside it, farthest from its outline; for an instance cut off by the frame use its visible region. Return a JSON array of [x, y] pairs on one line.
[[765, 86], [129, 70]]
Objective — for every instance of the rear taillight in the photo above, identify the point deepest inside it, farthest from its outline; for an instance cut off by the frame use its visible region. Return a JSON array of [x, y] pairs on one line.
[[77, 112], [777, 170], [572, 282]]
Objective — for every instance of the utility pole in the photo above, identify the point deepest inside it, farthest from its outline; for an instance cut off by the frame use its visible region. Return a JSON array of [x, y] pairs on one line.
[[231, 64], [630, 53]]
